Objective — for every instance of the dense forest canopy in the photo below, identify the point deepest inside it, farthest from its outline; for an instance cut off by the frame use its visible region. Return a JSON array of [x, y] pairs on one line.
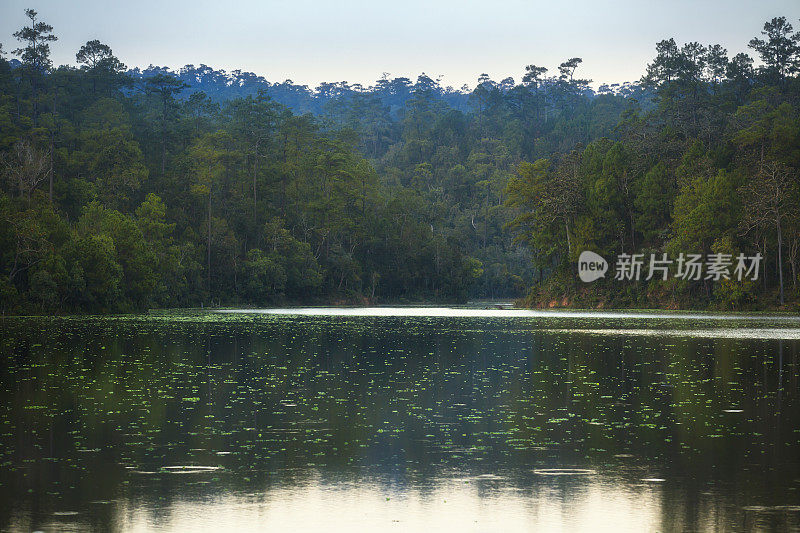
[[127, 189]]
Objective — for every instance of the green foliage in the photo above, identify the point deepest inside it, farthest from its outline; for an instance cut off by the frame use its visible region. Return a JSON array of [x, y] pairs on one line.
[[714, 167], [123, 192], [653, 202], [285, 268], [705, 210], [97, 272]]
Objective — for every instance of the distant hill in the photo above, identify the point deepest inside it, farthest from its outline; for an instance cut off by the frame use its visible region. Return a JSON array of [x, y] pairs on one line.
[[221, 85]]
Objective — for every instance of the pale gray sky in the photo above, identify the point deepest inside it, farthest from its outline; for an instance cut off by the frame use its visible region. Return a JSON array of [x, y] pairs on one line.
[[310, 41]]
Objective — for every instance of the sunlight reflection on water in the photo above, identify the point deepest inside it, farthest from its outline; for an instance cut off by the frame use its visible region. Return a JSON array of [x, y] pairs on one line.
[[558, 505], [502, 313]]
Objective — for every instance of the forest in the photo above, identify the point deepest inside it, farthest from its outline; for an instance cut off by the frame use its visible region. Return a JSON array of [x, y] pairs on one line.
[[129, 189]]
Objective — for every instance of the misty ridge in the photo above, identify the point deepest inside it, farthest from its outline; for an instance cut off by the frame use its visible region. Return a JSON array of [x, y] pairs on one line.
[[125, 189], [220, 85]]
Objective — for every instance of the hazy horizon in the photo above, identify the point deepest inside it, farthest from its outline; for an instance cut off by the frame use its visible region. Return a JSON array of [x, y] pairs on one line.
[[311, 42]]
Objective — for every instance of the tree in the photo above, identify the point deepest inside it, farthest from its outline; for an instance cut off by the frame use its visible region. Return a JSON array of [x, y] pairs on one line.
[[254, 120], [706, 212], [210, 156], [779, 50], [99, 60], [533, 75], [766, 128], [96, 256], [108, 154], [567, 68], [165, 87], [35, 54], [23, 237], [706, 209], [130, 251], [547, 199], [666, 65], [93, 54], [771, 200], [27, 167], [716, 64], [740, 73], [286, 266], [653, 200]]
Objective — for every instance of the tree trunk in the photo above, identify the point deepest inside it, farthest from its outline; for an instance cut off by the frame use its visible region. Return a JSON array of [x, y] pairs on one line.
[[50, 177], [35, 88], [52, 147], [486, 215], [208, 244], [780, 258], [569, 244], [255, 193], [764, 278], [255, 186]]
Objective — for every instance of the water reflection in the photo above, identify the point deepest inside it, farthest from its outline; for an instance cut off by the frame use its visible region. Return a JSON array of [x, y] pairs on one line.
[[275, 421], [501, 311], [719, 333], [452, 505]]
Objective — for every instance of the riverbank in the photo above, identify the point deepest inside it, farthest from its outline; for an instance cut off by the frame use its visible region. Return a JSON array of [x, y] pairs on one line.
[[606, 294]]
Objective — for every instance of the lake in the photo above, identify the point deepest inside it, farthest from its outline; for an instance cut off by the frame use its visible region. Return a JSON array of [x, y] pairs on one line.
[[400, 419]]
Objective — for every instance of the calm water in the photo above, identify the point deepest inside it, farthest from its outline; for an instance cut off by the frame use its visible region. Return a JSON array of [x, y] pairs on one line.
[[400, 420]]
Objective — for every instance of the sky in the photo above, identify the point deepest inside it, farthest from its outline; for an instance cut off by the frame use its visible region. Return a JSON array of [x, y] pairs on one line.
[[310, 41]]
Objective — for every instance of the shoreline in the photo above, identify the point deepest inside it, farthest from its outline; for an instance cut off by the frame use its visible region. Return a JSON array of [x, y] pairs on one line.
[[470, 309]]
